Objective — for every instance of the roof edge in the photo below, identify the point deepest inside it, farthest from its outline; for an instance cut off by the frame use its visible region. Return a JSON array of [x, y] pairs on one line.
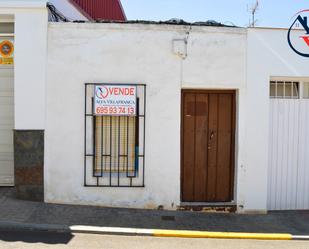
[[84, 13], [122, 10], [272, 28], [169, 22], [141, 26]]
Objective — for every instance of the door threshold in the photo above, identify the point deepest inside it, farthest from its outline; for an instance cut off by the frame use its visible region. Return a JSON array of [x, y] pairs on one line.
[[209, 207], [208, 204]]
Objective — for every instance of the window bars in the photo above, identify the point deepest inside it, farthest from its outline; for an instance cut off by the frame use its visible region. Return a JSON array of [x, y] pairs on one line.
[[114, 145], [284, 89]]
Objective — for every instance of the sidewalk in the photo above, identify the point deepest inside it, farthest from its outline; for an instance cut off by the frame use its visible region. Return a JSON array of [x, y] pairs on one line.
[[13, 211]]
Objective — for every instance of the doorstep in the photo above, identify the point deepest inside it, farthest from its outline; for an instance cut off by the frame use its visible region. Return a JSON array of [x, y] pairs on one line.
[[222, 207]]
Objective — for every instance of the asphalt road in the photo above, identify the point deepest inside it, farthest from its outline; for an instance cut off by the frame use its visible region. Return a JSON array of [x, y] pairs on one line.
[[35, 240]]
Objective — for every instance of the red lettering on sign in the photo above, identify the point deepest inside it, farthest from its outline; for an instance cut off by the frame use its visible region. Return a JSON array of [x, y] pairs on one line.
[[125, 91], [132, 91]]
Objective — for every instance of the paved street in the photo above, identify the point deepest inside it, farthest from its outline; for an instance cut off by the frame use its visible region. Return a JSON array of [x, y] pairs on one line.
[[294, 222], [27, 240]]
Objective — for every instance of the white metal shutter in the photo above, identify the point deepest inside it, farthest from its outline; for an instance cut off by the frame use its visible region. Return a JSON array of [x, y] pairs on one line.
[[6, 127], [288, 171]]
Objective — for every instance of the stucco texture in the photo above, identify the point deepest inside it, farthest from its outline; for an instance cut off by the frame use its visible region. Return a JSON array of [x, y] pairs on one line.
[[132, 53]]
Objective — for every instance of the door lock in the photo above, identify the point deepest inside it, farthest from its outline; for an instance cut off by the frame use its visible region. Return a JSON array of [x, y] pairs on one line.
[[212, 135]]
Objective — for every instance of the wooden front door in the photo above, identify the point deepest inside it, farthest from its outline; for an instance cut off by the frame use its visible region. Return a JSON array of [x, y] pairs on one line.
[[208, 134]]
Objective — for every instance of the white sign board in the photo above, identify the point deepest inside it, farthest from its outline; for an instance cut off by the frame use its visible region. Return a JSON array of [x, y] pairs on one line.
[[114, 100]]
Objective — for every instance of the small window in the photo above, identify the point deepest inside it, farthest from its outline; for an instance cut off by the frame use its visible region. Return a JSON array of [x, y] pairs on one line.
[[306, 90], [284, 89], [7, 28]]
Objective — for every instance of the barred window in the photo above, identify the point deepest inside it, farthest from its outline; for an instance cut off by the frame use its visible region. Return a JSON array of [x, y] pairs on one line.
[[284, 89], [114, 144]]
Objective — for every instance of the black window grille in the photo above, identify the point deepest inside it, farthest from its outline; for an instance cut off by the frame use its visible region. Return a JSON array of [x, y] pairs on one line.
[[114, 145]]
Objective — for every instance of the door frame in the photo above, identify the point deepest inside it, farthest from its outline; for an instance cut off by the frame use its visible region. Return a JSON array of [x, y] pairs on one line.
[[233, 148]]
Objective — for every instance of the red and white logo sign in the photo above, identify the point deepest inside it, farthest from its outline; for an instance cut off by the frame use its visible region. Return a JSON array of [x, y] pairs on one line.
[[115, 100], [299, 42]]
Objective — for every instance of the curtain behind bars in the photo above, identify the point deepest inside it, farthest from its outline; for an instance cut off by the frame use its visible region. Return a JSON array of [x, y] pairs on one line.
[[115, 145]]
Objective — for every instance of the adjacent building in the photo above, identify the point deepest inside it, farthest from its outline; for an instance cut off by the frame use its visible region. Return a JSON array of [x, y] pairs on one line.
[[87, 10]]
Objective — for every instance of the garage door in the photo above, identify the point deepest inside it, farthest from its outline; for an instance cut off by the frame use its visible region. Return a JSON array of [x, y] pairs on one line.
[[6, 127], [288, 176]]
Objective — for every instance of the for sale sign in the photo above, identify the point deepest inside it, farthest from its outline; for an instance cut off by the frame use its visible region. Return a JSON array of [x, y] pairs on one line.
[[115, 100]]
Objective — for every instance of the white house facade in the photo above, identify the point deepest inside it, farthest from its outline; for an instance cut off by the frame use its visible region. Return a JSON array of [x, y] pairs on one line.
[[149, 115]]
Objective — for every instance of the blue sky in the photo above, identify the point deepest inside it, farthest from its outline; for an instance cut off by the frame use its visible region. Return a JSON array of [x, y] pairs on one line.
[[272, 13]]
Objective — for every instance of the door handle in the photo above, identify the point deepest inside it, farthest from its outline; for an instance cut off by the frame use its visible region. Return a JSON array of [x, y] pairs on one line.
[[212, 134]]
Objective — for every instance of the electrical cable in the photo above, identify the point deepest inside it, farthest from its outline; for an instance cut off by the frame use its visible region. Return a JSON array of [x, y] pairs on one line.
[[55, 15]]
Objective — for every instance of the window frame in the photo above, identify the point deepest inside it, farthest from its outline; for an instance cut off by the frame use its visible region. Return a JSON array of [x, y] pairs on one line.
[[301, 86], [284, 83], [113, 179]]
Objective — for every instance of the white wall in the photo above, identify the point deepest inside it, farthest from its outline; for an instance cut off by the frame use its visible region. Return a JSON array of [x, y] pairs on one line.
[[68, 10], [135, 53], [268, 55], [30, 59], [217, 60]]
